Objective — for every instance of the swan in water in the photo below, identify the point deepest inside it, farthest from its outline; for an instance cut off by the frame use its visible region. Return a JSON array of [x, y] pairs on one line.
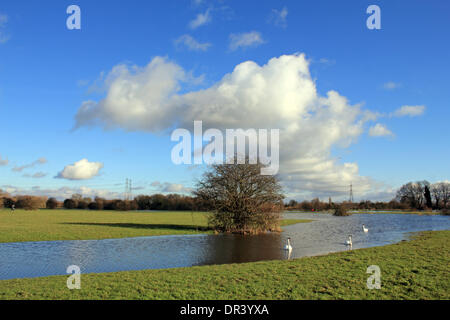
[[288, 245], [349, 241], [365, 229]]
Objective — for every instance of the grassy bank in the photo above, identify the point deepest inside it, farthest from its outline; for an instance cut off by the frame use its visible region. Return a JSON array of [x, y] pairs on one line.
[[44, 225], [417, 269]]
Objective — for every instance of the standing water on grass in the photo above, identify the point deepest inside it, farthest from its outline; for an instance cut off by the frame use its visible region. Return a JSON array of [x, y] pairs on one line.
[[324, 235]]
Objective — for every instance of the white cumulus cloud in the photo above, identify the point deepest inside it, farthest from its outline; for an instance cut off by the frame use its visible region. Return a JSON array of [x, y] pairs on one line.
[[278, 95], [80, 170]]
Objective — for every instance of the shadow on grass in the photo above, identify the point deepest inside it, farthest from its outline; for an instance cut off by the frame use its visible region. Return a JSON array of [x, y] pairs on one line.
[[142, 226]]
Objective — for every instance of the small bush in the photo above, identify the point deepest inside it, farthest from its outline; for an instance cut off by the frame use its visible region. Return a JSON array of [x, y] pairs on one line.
[[70, 204], [8, 202], [445, 212], [93, 206], [341, 210], [29, 203], [51, 203], [82, 204]]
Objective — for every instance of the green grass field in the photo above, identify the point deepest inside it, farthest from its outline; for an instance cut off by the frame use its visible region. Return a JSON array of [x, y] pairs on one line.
[[46, 225], [416, 269]]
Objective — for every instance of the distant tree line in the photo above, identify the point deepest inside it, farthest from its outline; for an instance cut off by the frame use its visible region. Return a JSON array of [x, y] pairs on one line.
[[22, 202], [420, 195], [172, 202], [317, 205]]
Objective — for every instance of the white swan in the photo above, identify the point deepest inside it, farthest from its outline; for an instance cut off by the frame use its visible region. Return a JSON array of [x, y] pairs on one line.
[[288, 245], [365, 229], [349, 241]]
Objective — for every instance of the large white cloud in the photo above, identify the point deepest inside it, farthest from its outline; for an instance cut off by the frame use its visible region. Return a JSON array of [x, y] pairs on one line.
[[137, 98], [81, 170], [280, 94]]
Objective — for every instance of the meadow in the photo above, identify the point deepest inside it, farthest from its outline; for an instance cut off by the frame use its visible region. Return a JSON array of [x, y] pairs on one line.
[[59, 224], [415, 269]]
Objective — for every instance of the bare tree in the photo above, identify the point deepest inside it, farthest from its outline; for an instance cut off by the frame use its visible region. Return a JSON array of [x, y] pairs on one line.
[[413, 193], [242, 200], [441, 194], [52, 203], [31, 202]]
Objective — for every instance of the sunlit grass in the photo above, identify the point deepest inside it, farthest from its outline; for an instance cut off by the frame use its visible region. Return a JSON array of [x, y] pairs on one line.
[[417, 269], [46, 225]]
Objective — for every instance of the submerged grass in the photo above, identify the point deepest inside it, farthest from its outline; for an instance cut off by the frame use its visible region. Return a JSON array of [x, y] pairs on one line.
[[47, 225], [416, 269]]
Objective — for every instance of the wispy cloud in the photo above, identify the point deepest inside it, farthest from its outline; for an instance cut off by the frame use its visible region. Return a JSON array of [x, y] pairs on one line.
[[3, 162], [37, 175], [411, 111], [380, 130], [167, 187], [30, 165], [192, 44], [391, 85], [243, 40], [201, 19], [62, 192], [279, 17], [3, 35]]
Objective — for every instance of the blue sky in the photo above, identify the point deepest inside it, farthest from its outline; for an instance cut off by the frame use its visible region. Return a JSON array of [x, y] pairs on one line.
[[48, 71]]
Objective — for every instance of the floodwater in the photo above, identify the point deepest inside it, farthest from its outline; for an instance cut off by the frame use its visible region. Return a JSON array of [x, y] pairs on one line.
[[324, 235]]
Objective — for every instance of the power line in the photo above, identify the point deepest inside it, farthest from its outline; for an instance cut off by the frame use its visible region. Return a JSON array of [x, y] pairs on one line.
[[126, 189], [351, 193], [130, 191]]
